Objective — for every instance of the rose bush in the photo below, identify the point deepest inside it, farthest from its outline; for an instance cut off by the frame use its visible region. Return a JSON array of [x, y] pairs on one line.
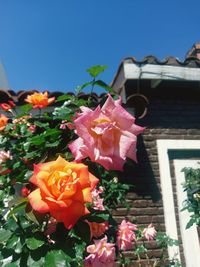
[[57, 192]]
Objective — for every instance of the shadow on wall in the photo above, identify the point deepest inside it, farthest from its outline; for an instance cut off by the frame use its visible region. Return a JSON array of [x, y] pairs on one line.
[[141, 174]]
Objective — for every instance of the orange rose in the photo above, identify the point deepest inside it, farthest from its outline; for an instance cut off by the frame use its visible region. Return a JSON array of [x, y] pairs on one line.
[[39, 100], [63, 189], [97, 229], [3, 121]]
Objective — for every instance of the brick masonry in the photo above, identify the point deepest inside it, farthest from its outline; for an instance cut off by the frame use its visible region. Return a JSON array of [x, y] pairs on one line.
[[166, 119]]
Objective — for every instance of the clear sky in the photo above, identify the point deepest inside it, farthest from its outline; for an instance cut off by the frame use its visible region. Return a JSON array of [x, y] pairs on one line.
[[48, 44]]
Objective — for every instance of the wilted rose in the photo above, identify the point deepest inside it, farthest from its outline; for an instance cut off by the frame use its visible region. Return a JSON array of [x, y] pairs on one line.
[[102, 254], [126, 235], [149, 232]]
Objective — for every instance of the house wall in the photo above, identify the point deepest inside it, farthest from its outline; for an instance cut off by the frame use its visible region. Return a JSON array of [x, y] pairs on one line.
[[166, 119]]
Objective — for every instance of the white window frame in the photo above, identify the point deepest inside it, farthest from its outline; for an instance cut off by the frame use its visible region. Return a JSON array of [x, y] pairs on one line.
[[189, 236], [163, 146]]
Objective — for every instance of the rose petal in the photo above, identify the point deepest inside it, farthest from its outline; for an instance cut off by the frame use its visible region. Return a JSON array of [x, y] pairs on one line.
[[37, 202]]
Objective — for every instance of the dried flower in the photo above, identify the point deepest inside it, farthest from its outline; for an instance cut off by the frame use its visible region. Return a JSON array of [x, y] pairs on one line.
[[149, 232]]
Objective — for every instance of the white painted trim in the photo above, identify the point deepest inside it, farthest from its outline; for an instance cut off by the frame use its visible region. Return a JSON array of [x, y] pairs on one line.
[[119, 82], [132, 71], [161, 72], [163, 147], [191, 252]]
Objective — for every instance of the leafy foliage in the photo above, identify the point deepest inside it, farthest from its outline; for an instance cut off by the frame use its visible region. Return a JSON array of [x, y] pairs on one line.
[[192, 203]]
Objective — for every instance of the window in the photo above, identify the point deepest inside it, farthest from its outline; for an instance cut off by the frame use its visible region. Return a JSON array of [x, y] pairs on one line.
[[192, 258]]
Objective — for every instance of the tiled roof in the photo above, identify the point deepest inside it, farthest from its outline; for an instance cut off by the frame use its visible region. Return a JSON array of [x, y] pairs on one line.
[[190, 62], [20, 96]]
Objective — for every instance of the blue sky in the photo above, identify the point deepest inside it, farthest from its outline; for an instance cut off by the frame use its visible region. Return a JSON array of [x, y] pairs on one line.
[[48, 44]]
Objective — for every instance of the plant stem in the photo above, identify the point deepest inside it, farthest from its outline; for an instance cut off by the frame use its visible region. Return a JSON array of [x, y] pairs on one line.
[[92, 89]]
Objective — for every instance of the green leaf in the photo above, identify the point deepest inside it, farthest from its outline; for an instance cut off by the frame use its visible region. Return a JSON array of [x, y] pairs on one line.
[[63, 98], [62, 113], [16, 165], [33, 263], [51, 132], [190, 223], [4, 235], [34, 242], [19, 247], [12, 264], [56, 258], [96, 70], [28, 174], [26, 107], [31, 155], [140, 249], [32, 217], [26, 146], [21, 205], [12, 242], [11, 224], [97, 217], [104, 85], [54, 144], [37, 140], [80, 249], [81, 87], [82, 230], [41, 124]]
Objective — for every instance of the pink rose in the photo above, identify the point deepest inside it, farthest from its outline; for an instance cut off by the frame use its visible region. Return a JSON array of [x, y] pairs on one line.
[[126, 235], [32, 128], [102, 254], [107, 135], [149, 232]]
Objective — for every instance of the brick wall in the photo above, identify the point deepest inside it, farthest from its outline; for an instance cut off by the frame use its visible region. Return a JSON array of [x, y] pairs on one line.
[[166, 119]]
